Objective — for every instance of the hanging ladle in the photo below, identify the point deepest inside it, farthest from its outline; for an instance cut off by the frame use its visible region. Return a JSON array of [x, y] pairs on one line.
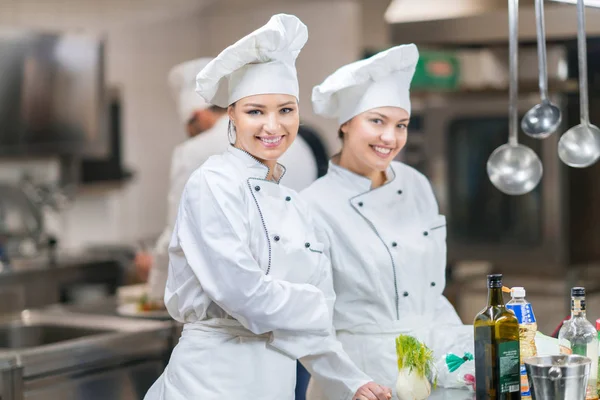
[[513, 168], [543, 119], [580, 146]]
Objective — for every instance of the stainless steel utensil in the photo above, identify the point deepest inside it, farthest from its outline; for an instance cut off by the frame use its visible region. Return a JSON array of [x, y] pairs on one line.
[[513, 168], [543, 119], [579, 147]]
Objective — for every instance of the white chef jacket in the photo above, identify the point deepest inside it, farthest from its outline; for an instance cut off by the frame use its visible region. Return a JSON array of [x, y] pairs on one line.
[[388, 253], [250, 277], [301, 165], [190, 155], [187, 157]]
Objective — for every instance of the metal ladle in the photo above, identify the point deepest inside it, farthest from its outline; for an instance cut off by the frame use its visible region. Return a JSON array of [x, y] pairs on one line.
[[580, 146], [513, 168], [543, 119]]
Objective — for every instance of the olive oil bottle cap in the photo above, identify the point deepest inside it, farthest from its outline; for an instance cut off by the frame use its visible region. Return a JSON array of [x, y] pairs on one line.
[[577, 292], [495, 281]]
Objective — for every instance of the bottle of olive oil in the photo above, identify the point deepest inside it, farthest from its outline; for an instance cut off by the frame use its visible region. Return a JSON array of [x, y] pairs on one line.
[[497, 356]]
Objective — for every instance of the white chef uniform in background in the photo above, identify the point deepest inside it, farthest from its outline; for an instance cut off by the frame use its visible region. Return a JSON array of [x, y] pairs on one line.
[[388, 245], [300, 164], [187, 156], [249, 274]]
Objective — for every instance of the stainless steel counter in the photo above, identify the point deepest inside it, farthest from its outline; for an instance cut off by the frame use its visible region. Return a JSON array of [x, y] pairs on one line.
[[11, 378], [74, 356], [449, 394], [108, 307], [45, 341]]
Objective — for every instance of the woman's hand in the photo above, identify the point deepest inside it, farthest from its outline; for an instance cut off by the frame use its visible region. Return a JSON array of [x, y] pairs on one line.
[[373, 391]]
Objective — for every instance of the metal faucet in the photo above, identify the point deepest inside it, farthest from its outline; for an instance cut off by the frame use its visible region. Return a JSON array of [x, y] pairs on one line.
[[30, 198], [49, 195]]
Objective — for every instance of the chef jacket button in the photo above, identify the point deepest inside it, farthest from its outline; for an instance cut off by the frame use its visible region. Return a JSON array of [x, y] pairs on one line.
[[425, 233], [399, 191], [360, 203], [288, 198], [432, 284], [307, 245], [405, 294], [257, 188], [276, 238], [394, 244]]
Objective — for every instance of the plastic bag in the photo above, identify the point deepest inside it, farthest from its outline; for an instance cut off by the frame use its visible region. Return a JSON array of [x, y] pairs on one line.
[[455, 372]]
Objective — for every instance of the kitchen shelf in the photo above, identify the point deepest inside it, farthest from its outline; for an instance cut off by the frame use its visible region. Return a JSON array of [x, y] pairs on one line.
[[567, 86]]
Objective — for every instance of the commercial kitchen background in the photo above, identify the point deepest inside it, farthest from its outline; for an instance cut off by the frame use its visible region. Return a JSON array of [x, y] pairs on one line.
[[144, 39]]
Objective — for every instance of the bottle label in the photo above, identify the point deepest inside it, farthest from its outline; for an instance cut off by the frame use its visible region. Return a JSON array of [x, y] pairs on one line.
[[577, 305], [523, 312], [525, 393], [509, 363]]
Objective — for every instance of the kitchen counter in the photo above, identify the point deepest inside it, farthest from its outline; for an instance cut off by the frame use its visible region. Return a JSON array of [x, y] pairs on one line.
[[108, 307], [451, 394], [112, 337], [55, 354]]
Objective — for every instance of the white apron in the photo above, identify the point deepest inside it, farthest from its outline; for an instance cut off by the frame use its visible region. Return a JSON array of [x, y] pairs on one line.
[[388, 252], [222, 360], [250, 278]]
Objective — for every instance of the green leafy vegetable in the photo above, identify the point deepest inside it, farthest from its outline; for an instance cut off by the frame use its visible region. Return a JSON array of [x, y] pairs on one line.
[[415, 356]]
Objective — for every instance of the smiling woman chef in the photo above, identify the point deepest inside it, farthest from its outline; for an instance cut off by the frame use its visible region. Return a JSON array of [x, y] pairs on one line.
[[388, 240], [248, 274]]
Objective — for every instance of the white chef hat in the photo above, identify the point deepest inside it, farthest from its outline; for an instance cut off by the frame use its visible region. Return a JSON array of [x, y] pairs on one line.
[[182, 81], [262, 62], [382, 80]]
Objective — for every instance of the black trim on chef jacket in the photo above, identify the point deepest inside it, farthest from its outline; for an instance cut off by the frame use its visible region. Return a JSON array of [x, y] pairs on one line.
[[262, 219], [260, 163], [256, 188], [361, 204]]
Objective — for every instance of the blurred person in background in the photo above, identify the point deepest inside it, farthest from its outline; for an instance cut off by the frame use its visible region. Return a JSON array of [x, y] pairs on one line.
[[206, 128]]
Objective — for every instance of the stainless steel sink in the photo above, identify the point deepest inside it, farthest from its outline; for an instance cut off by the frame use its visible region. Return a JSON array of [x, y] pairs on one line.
[[65, 355], [20, 336], [49, 340]]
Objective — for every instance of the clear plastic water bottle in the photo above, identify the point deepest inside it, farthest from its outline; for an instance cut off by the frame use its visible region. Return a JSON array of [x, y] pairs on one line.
[[527, 330]]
